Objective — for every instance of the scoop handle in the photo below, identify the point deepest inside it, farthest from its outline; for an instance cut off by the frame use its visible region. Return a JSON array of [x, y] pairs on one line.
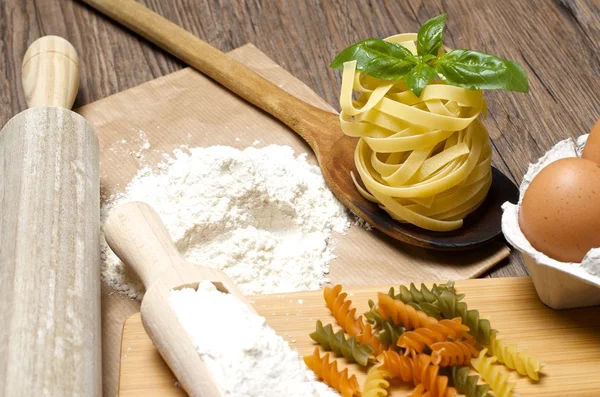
[[137, 235], [50, 73]]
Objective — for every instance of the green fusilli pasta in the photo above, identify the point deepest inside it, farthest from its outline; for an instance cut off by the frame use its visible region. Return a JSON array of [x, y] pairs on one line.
[[467, 384], [450, 305], [349, 348], [442, 302], [423, 299], [388, 332], [422, 295], [373, 317]]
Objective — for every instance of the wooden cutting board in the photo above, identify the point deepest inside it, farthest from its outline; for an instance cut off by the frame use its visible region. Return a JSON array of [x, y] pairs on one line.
[[137, 127], [567, 341]]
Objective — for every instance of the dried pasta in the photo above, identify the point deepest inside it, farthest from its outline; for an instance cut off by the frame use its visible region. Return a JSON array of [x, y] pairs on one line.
[[514, 359], [437, 332], [369, 337], [467, 384], [423, 299], [450, 306], [442, 302], [390, 333], [453, 353], [376, 384], [492, 374], [423, 294], [328, 371], [401, 313], [349, 348], [418, 369], [425, 160], [373, 316], [340, 308], [420, 391], [401, 341]]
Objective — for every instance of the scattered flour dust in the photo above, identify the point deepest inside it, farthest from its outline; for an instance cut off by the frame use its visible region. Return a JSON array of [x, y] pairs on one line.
[[249, 362], [262, 215]]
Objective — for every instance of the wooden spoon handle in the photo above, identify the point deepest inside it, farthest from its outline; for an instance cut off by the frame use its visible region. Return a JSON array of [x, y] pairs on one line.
[[236, 77], [50, 73], [135, 232]]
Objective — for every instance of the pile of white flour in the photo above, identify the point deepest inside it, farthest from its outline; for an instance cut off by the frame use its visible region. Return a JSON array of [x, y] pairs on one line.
[[245, 356], [263, 216]]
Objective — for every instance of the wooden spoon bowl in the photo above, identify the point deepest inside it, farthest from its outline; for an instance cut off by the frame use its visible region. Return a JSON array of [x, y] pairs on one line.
[[335, 156], [320, 129]]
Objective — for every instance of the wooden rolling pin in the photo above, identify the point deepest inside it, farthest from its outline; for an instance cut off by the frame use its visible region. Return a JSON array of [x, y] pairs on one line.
[[49, 235], [135, 232]]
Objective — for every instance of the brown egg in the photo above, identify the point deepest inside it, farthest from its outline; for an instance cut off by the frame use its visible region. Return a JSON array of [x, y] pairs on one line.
[[560, 212], [591, 151]]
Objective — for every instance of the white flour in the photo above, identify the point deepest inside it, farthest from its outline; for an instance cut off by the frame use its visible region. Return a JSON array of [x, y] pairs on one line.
[[245, 356], [263, 216]]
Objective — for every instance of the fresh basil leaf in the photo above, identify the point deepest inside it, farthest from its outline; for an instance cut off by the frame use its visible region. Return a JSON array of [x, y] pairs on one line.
[[480, 71], [377, 58], [427, 58], [430, 36], [418, 77]]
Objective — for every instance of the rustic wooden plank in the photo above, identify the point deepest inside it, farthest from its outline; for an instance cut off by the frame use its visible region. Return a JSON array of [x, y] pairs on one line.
[[522, 319], [556, 40]]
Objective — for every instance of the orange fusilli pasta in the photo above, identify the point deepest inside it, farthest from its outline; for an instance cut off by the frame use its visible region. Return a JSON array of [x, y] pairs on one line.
[[328, 371], [340, 308], [453, 352], [369, 337], [437, 332], [417, 368], [402, 313]]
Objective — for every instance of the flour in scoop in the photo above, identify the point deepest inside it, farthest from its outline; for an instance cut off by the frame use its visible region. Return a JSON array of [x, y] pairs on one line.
[[263, 216], [245, 356]]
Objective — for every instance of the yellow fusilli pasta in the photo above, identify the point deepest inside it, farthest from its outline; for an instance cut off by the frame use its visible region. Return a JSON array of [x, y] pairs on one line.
[[492, 374], [514, 359], [376, 384]]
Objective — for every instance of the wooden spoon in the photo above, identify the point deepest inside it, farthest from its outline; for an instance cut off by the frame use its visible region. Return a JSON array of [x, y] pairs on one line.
[[136, 234], [320, 129]]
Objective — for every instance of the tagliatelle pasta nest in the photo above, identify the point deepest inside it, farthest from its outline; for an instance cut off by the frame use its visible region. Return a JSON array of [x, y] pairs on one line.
[[425, 160]]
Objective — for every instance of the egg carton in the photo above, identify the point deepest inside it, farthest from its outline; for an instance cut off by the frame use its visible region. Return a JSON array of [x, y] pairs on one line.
[[559, 285]]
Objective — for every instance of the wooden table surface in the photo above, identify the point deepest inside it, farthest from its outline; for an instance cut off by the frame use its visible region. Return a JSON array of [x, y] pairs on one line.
[[557, 42]]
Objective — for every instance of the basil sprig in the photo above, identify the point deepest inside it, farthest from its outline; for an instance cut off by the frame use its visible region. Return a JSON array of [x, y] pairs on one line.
[[378, 58], [430, 37], [469, 69]]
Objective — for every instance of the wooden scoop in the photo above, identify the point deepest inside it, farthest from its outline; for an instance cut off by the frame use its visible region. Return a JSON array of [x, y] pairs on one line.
[[135, 232], [320, 129]]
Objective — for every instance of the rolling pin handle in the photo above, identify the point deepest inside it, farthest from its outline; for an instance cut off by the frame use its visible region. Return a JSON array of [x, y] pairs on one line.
[[137, 235], [50, 73]]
